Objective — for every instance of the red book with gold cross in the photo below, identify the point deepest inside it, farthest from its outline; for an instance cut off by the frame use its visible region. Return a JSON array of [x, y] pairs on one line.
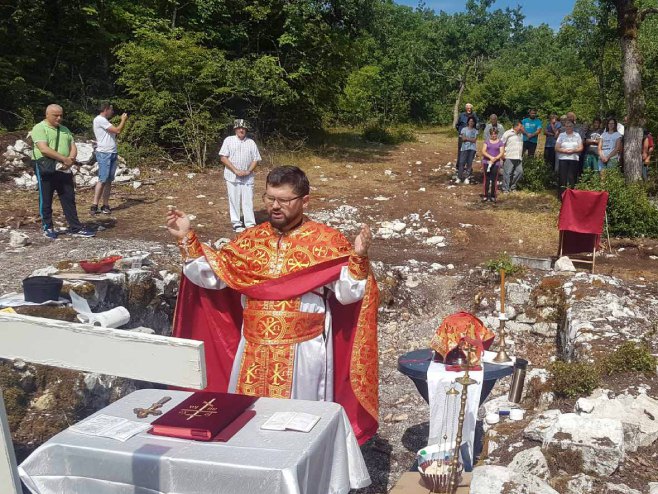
[[202, 416]]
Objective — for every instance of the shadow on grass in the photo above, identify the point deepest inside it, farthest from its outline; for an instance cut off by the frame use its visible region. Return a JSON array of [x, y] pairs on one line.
[[347, 144]]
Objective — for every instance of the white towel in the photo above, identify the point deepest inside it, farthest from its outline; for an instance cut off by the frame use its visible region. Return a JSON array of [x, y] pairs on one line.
[[438, 383]]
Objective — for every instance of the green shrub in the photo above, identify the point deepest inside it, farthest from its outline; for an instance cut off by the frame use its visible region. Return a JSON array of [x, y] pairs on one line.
[[503, 261], [537, 175], [376, 132], [573, 379], [629, 357], [630, 212]]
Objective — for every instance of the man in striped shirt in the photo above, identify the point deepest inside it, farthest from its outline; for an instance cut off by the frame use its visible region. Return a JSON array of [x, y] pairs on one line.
[[240, 155]]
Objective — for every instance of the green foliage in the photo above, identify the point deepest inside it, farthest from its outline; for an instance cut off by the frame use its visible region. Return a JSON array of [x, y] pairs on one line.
[[537, 175], [175, 88], [396, 134], [502, 261], [361, 99], [630, 213], [185, 68], [629, 357], [573, 379]]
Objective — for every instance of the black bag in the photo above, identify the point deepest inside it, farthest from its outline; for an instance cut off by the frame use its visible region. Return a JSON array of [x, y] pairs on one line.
[[45, 166]]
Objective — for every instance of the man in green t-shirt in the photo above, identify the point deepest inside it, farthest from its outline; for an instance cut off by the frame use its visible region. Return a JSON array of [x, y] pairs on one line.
[[53, 140]]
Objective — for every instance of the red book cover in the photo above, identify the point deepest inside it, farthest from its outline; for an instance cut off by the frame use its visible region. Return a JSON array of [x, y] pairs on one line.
[[202, 416]]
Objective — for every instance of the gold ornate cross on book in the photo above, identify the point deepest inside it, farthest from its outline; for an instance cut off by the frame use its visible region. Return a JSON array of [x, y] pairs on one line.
[[206, 410]]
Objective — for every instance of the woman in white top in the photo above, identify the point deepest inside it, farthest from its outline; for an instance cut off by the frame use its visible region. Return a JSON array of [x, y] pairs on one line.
[[568, 147], [609, 146]]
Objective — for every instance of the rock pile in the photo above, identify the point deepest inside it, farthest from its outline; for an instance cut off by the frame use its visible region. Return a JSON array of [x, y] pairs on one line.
[[583, 447], [18, 157]]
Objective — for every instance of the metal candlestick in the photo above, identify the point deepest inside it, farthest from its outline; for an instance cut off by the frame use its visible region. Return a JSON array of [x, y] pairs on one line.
[[465, 381], [502, 356]]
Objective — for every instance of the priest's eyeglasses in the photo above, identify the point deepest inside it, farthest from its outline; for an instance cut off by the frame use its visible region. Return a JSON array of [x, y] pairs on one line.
[[269, 200]]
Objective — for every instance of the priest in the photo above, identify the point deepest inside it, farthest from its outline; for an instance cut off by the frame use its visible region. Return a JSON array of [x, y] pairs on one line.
[[288, 309]]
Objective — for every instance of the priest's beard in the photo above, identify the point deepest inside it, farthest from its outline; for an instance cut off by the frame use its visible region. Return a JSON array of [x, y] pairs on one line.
[[283, 221]]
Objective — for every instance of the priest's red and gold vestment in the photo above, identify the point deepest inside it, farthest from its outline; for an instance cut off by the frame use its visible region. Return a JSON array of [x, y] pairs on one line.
[[285, 315]]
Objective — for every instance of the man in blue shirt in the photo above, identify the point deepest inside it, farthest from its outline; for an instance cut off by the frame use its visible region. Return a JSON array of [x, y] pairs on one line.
[[531, 130]]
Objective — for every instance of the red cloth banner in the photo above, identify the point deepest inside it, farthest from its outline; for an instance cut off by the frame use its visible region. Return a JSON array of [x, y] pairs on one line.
[[583, 211]]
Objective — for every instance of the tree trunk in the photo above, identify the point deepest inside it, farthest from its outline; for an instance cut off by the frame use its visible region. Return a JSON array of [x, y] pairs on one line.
[[455, 110], [628, 25]]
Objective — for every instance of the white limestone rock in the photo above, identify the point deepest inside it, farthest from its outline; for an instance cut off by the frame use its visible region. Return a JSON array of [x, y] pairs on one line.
[[600, 441], [638, 415], [619, 489], [537, 428], [653, 487], [518, 294], [545, 329], [579, 484], [564, 264], [491, 479], [531, 461], [436, 240], [584, 405], [85, 152], [18, 239]]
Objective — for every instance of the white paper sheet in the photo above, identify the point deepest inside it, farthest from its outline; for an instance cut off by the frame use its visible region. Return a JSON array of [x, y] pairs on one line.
[[292, 421], [112, 427]]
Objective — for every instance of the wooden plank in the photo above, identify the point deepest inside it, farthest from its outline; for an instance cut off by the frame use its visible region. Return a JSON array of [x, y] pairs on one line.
[[114, 352], [9, 480]]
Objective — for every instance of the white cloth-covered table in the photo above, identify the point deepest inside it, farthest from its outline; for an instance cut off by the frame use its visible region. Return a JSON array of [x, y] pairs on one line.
[[327, 460]]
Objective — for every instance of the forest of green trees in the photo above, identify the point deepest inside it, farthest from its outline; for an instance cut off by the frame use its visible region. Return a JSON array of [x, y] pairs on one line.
[[184, 68]]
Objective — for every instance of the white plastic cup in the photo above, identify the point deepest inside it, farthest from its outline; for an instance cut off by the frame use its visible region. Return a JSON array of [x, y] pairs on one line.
[[516, 414], [492, 418]]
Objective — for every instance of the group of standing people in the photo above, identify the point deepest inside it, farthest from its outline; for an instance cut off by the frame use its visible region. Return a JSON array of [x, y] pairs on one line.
[[53, 157], [569, 149], [501, 150]]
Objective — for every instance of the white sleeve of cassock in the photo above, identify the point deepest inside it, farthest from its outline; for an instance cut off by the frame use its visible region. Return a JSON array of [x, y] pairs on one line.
[[200, 273], [347, 289]]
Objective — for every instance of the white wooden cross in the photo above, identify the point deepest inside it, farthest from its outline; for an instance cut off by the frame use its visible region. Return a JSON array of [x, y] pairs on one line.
[[82, 347]]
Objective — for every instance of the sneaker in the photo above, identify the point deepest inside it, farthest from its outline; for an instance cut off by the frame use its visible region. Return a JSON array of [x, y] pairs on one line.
[[93, 210], [467, 181], [83, 232], [485, 199], [106, 210], [493, 199], [238, 229], [50, 233]]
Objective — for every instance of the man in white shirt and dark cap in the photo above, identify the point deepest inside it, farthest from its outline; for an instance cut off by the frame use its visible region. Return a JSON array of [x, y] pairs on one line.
[[106, 155], [239, 155]]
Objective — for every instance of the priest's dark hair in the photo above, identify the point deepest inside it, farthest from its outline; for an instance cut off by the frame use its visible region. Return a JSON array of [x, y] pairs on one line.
[[289, 175]]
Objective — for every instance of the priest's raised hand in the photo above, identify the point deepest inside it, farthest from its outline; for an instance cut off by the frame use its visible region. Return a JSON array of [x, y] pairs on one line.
[[362, 241], [178, 223]]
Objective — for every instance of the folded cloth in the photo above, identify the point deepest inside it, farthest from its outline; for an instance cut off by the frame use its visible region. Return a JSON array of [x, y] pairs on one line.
[[444, 420]]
